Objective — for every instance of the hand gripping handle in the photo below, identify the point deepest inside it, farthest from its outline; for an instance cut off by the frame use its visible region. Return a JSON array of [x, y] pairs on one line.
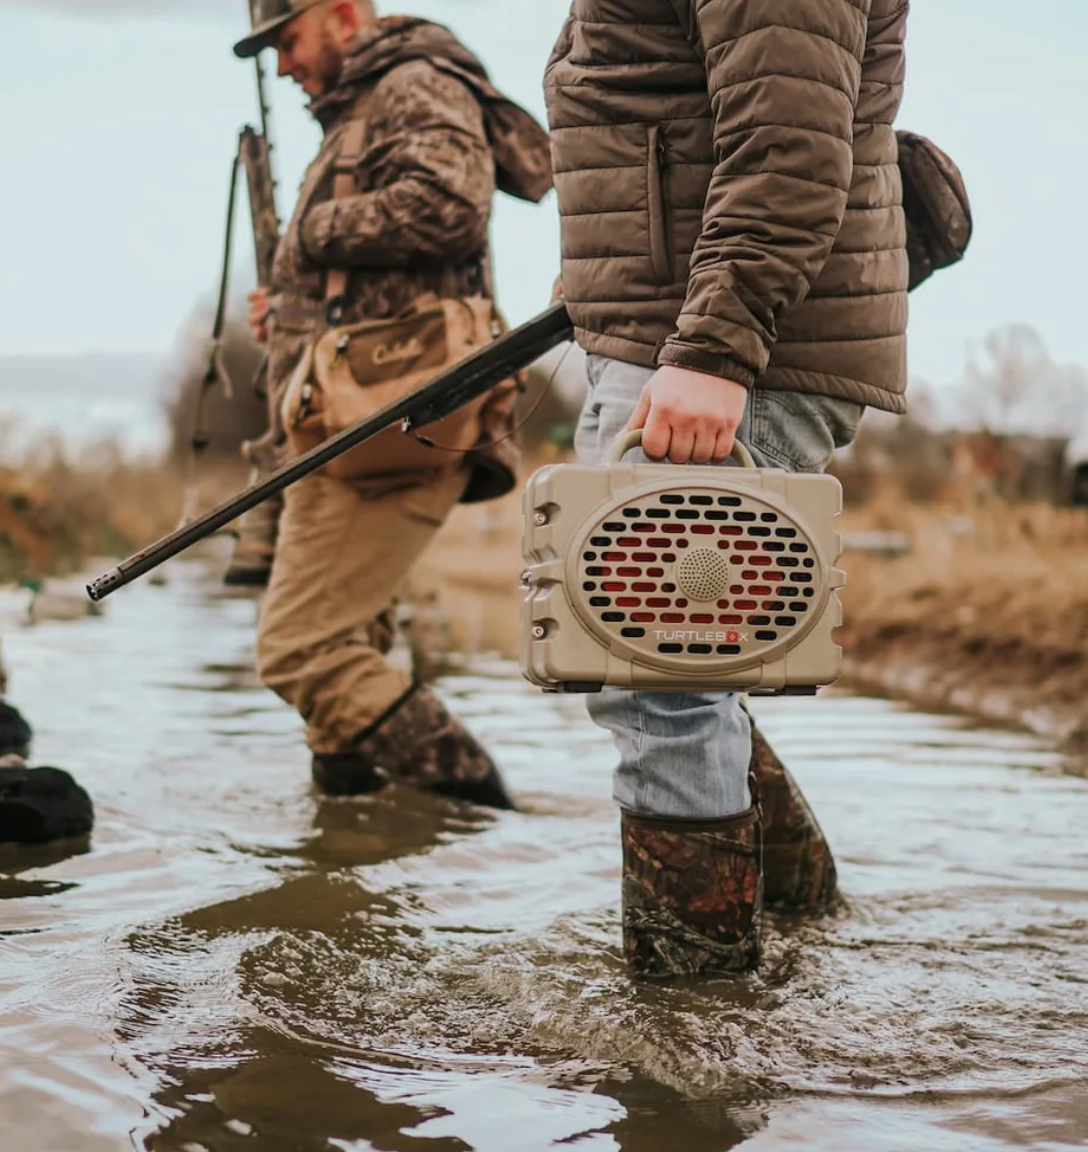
[[632, 438]]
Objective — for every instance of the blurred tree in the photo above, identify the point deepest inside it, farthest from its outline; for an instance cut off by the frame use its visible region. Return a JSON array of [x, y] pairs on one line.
[[1015, 387], [905, 452]]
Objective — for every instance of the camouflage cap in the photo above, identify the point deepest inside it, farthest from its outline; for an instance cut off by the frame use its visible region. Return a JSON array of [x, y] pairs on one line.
[[268, 16]]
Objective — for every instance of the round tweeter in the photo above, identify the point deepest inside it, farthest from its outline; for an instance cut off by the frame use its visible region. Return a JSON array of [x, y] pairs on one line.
[[703, 574]]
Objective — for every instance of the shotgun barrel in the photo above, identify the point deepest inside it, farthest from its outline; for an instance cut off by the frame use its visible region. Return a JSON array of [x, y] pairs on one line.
[[464, 382]]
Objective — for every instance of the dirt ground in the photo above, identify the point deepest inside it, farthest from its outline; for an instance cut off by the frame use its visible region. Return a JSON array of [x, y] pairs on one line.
[[986, 612]]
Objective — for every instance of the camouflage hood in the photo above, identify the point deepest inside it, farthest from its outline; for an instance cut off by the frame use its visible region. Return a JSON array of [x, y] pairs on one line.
[[520, 145]]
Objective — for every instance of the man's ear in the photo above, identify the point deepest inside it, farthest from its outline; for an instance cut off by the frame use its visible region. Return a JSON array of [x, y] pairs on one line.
[[344, 20]]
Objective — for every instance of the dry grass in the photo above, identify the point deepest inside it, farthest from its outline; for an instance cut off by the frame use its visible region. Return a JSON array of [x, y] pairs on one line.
[[59, 507], [989, 611]]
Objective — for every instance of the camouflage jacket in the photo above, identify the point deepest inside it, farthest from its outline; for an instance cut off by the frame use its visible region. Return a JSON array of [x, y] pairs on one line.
[[439, 141]]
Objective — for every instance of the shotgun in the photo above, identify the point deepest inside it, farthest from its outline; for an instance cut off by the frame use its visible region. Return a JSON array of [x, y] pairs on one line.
[[254, 154], [461, 384], [251, 559]]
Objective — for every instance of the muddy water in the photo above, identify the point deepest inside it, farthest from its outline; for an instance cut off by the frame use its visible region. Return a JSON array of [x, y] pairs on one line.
[[238, 964]]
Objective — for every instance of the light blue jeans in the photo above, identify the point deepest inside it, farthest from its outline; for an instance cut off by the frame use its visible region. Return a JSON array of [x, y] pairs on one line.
[[686, 754]]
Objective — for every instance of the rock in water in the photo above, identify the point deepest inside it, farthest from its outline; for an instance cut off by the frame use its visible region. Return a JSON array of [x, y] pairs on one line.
[[37, 805], [41, 805]]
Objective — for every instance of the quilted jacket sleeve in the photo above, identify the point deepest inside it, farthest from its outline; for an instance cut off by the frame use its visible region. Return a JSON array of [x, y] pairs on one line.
[[430, 173], [783, 78]]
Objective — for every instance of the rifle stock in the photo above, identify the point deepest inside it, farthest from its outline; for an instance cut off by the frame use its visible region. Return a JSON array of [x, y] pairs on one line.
[[255, 156], [255, 153], [465, 381]]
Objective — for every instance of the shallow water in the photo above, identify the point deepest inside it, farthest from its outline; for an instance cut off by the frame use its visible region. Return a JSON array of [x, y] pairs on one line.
[[239, 964]]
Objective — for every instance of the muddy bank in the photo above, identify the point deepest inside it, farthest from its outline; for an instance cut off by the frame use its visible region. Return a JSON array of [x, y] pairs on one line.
[[986, 614]]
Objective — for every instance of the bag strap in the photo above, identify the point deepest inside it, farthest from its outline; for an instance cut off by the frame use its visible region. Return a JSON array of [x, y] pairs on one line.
[[352, 147]]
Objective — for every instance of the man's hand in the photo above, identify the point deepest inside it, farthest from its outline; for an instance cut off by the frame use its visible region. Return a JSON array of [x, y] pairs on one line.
[[689, 417], [557, 290], [259, 310]]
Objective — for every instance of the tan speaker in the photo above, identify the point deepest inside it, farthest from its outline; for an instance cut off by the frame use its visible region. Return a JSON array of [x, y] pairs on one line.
[[658, 577]]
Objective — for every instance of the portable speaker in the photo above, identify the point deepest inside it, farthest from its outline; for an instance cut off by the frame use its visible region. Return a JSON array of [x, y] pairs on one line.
[[654, 576]]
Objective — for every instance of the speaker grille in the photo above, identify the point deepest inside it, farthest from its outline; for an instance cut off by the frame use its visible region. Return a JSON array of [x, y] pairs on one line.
[[693, 573], [703, 575]]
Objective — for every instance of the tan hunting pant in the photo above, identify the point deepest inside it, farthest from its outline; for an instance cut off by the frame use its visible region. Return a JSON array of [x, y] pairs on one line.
[[341, 559]]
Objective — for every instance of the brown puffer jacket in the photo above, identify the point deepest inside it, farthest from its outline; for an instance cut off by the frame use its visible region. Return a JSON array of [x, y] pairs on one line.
[[439, 140], [728, 184]]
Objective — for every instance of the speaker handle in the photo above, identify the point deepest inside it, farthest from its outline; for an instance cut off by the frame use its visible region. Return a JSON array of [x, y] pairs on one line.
[[632, 438]]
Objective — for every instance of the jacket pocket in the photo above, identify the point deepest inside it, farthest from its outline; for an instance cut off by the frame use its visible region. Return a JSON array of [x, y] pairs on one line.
[[657, 206]]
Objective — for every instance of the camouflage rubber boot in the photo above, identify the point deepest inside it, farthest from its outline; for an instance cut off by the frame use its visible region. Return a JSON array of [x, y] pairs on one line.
[[798, 868], [347, 774], [692, 895], [418, 743], [255, 545]]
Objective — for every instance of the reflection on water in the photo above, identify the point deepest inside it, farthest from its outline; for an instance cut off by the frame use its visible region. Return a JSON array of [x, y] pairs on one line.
[[238, 963]]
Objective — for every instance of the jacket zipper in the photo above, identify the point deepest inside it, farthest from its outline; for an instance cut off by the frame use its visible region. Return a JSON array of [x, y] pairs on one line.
[[657, 206]]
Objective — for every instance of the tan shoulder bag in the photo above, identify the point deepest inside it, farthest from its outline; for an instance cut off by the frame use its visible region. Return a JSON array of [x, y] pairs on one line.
[[351, 371]]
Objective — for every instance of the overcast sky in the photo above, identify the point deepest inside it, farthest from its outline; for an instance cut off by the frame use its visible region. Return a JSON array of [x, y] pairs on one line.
[[121, 117]]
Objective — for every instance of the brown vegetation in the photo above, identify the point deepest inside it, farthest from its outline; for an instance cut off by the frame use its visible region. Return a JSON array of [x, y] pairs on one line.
[[61, 507], [57, 509], [987, 614]]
